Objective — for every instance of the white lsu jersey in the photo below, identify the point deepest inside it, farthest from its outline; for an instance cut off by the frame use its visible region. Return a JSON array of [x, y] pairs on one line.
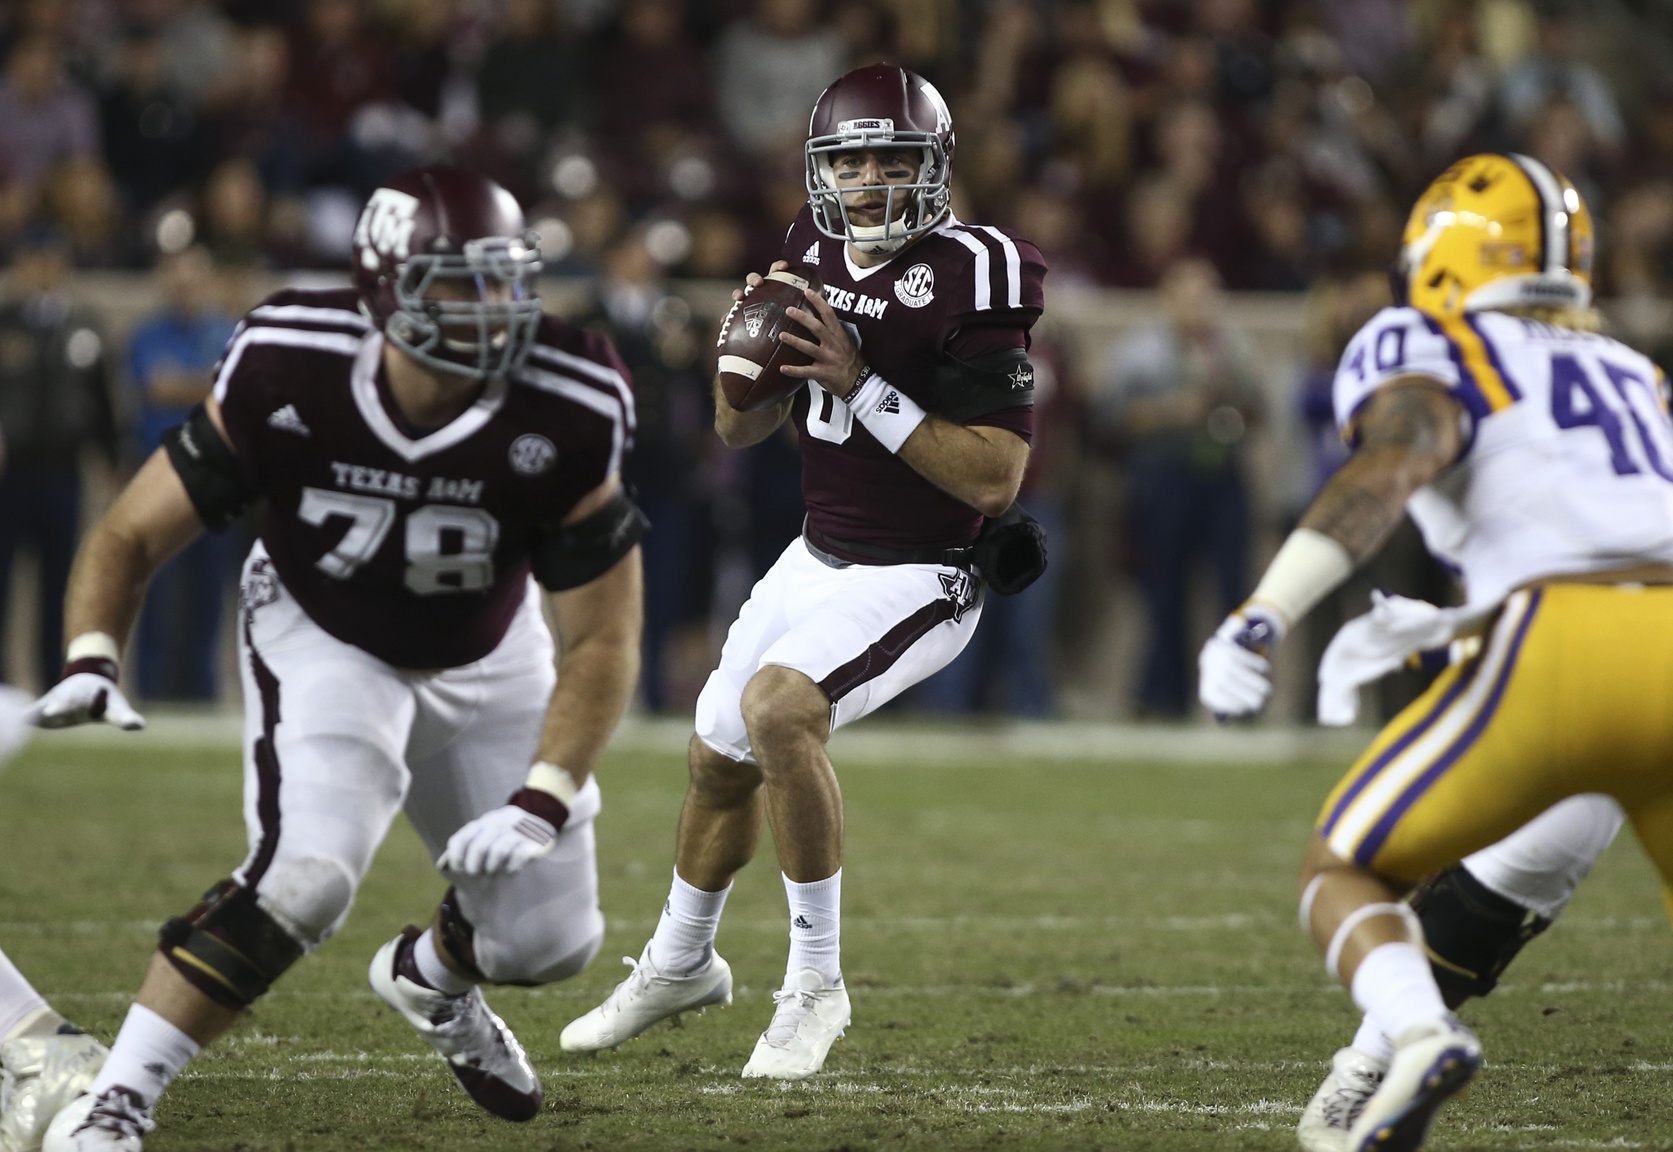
[[1569, 462]]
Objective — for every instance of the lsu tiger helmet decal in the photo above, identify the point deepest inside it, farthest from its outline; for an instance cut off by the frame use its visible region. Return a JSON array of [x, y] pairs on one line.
[[1497, 231]]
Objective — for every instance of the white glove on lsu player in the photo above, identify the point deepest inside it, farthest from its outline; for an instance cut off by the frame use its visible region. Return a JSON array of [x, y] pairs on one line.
[[1234, 676], [508, 839], [86, 692]]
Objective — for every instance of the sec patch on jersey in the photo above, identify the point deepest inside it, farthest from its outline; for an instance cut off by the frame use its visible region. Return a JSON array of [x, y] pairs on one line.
[[751, 352]]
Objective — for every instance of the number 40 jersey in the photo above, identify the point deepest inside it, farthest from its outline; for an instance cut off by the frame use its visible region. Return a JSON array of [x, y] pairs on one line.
[[1568, 466], [413, 544]]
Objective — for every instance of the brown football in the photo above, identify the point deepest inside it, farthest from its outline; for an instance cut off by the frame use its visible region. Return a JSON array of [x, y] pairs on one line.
[[751, 353]]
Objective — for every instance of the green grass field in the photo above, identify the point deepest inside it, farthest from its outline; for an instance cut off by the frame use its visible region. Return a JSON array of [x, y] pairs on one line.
[[1042, 954]]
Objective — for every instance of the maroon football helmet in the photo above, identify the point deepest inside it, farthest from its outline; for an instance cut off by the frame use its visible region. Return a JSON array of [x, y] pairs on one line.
[[873, 107], [446, 268]]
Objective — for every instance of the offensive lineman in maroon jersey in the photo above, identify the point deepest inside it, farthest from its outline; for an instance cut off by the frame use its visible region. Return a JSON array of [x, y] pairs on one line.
[[914, 427], [423, 443]]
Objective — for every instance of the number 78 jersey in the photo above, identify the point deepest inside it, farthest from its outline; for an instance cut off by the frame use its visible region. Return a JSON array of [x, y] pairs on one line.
[[413, 544], [1568, 466]]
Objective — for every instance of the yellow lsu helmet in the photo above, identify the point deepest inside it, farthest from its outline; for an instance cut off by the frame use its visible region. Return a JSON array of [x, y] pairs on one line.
[[1497, 231]]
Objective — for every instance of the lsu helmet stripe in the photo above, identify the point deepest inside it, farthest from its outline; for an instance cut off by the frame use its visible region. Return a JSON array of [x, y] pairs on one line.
[[1553, 216], [1380, 832], [1398, 778]]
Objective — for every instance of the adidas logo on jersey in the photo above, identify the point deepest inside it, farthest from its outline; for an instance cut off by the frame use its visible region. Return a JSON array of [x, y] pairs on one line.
[[811, 256], [286, 419], [801, 922], [890, 403]]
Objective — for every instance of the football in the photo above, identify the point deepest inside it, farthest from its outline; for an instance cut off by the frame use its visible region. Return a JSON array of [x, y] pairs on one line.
[[751, 353]]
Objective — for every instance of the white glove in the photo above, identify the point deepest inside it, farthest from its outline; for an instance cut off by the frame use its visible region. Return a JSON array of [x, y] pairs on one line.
[[506, 839], [87, 693], [1371, 646], [1234, 676]]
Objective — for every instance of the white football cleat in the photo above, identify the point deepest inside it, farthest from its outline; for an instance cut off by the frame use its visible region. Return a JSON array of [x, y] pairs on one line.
[[1432, 1063], [645, 997], [809, 1018], [114, 1121], [42, 1075], [1330, 1114], [479, 1049]]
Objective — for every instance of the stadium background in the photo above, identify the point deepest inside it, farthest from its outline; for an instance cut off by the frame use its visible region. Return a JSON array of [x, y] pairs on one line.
[[657, 147]]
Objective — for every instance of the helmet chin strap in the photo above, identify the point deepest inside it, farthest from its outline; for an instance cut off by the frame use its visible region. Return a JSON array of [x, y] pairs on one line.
[[870, 240]]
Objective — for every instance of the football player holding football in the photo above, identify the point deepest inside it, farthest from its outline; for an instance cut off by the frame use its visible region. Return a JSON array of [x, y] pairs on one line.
[[423, 443], [1536, 456], [914, 426]]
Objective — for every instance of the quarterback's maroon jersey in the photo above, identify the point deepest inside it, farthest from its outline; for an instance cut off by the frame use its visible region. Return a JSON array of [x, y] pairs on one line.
[[412, 544], [962, 290]]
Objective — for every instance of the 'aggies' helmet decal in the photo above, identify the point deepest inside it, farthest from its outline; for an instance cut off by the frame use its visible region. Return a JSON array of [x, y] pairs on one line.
[[868, 108], [446, 268], [1497, 231]]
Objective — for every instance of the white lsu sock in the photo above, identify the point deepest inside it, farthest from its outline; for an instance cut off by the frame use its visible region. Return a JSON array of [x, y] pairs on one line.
[[816, 927], [1372, 1041], [430, 966], [1396, 988], [148, 1053], [685, 936]]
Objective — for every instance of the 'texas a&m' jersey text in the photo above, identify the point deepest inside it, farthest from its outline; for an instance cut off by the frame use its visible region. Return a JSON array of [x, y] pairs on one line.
[[412, 544], [960, 290]]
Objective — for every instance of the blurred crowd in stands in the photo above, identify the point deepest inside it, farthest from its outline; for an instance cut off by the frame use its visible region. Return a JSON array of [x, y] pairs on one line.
[[1190, 146]]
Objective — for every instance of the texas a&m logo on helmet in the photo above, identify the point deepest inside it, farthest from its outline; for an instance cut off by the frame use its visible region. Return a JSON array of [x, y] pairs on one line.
[[446, 267]]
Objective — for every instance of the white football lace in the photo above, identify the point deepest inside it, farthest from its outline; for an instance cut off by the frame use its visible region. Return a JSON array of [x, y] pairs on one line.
[[793, 1006], [1349, 1100], [637, 981]]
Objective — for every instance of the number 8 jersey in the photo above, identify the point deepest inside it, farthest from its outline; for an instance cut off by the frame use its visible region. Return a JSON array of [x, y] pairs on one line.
[[412, 544], [1568, 464]]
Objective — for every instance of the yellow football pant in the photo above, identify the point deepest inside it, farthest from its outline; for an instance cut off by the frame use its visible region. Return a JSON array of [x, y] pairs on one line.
[[1571, 692]]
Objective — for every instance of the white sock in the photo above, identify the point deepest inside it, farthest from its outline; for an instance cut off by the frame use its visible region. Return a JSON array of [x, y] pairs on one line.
[[437, 974], [816, 927], [685, 936], [1373, 1041], [148, 1053], [18, 998], [1396, 989]]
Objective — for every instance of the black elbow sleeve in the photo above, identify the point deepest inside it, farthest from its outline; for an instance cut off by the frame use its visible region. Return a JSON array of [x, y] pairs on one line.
[[576, 554], [208, 469]]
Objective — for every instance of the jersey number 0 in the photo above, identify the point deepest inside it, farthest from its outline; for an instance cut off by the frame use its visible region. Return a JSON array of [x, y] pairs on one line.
[[448, 548]]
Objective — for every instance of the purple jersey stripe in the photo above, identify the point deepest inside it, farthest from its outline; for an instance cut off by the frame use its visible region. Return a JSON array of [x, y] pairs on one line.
[[1468, 390], [1380, 832], [1493, 357], [1413, 733], [878, 658]]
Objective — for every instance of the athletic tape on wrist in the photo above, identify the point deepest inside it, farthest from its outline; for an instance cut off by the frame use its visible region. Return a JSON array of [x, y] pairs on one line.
[[888, 413], [1309, 567], [1333, 954], [99, 645], [552, 779]]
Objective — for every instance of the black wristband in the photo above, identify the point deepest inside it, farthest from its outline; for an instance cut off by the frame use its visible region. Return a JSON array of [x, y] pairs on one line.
[[866, 373]]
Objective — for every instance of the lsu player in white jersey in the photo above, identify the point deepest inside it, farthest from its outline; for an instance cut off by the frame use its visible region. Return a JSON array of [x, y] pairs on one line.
[[1536, 457]]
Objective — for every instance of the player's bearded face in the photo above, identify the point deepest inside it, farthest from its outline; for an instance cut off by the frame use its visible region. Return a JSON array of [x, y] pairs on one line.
[[870, 173]]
